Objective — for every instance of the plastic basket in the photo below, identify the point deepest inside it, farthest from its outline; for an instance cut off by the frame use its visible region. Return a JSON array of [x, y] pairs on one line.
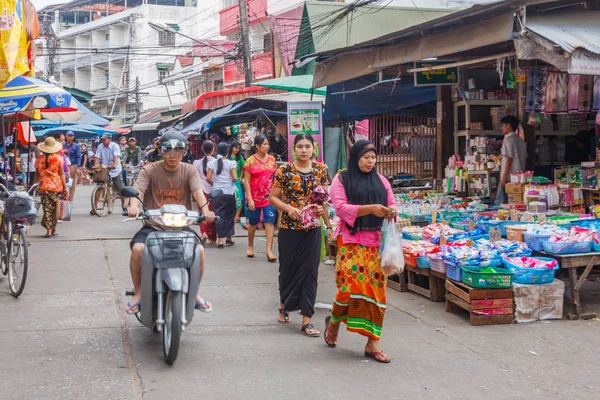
[[531, 276], [458, 226], [423, 262], [596, 246], [410, 260], [453, 271], [567, 248], [100, 174], [535, 242], [437, 264], [474, 277], [417, 218]]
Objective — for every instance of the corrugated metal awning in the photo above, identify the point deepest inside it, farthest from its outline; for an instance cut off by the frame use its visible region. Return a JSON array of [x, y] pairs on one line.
[[151, 126], [571, 31]]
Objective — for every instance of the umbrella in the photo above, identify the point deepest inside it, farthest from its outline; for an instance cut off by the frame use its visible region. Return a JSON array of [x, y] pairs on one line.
[[25, 93], [82, 131], [83, 116]]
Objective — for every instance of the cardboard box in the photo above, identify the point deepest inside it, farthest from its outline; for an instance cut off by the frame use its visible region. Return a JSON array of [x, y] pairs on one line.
[[514, 188], [515, 198]]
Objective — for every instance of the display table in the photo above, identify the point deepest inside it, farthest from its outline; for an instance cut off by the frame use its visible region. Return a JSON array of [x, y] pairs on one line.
[[571, 262], [434, 287], [485, 306]]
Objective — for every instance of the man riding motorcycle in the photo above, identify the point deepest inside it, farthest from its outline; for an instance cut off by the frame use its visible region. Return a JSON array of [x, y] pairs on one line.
[[165, 182]]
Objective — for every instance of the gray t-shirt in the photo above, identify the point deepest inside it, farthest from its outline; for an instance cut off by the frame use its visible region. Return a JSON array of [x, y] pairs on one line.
[[514, 147]]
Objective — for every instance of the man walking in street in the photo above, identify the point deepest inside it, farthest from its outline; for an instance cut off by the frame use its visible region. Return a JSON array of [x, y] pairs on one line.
[[73, 152], [514, 154], [123, 145], [109, 155]]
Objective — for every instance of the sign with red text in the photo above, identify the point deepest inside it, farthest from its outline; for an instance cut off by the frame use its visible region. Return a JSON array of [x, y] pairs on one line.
[[584, 63]]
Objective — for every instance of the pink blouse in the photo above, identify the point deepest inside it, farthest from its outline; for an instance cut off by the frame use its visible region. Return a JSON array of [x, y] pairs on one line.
[[349, 212]]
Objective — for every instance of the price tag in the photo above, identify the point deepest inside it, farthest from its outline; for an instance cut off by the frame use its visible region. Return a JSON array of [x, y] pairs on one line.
[[471, 224], [446, 222], [528, 218], [495, 235], [514, 215], [443, 240], [541, 218], [434, 216]]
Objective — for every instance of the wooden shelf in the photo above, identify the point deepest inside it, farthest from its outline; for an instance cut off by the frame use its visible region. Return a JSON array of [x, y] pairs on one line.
[[555, 133], [478, 132]]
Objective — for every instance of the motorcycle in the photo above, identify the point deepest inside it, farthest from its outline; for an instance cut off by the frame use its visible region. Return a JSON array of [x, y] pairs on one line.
[[170, 271]]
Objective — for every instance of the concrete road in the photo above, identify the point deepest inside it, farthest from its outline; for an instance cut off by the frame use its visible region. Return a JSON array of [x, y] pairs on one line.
[[67, 337]]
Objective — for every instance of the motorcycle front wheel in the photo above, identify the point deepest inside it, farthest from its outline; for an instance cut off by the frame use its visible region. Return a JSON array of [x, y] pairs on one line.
[[172, 329]]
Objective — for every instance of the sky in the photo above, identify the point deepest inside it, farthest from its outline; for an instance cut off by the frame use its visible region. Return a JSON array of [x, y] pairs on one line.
[[39, 4]]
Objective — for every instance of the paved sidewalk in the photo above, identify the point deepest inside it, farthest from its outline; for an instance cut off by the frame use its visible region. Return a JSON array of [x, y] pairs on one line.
[[67, 337]]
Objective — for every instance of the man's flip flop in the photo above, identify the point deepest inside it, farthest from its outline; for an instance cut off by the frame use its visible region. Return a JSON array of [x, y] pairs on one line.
[[377, 354], [309, 327], [200, 304], [133, 308]]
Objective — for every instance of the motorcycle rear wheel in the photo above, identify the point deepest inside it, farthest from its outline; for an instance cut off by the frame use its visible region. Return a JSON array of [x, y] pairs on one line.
[[172, 329]]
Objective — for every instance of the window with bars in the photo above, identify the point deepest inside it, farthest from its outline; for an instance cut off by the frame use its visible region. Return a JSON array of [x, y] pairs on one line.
[[267, 43], [125, 78], [166, 38], [228, 3], [116, 111], [130, 109], [163, 74], [97, 110]]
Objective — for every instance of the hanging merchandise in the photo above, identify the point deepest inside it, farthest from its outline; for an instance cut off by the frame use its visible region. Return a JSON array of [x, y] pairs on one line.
[[573, 93], [500, 63], [13, 42], [536, 90], [235, 130], [586, 83], [511, 79], [596, 103], [228, 130], [551, 92], [562, 93]]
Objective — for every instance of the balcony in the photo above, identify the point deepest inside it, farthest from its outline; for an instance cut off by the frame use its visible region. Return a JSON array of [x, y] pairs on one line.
[[229, 17], [262, 68]]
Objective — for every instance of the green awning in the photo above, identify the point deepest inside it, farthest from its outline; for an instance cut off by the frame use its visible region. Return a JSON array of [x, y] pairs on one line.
[[164, 66], [300, 83], [174, 27], [79, 94]]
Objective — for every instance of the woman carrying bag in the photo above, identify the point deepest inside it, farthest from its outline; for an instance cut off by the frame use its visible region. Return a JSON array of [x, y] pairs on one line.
[[362, 199], [49, 171]]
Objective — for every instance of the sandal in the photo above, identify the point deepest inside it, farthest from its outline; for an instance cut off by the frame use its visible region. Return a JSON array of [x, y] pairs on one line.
[[377, 354], [333, 338], [249, 255], [229, 242], [203, 306], [133, 308], [307, 328], [286, 316]]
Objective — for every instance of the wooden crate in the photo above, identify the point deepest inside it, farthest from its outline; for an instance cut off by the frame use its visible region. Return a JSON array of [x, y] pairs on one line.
[[485, 306], [426, 282]]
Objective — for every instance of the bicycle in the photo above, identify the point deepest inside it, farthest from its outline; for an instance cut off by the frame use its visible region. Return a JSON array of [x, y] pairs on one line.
[[132, 174], [17, 217], [103, 195]]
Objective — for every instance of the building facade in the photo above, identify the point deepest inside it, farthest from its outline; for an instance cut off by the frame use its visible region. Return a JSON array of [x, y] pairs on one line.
[[125, 61]]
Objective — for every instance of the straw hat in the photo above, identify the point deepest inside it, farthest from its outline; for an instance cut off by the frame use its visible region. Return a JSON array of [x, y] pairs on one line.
[[50, 146]]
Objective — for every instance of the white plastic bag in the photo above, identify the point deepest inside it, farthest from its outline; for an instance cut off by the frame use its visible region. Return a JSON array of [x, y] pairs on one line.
[[392, 258]]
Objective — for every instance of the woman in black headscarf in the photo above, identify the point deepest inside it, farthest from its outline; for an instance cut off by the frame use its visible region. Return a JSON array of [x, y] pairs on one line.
[[362, 199]]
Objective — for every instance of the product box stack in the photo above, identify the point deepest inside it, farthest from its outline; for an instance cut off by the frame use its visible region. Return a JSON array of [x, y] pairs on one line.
[[497, 114], [514, 192]]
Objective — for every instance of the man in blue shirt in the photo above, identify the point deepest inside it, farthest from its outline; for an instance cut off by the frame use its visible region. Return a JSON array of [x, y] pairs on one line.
[[73, 152], [109, 155]]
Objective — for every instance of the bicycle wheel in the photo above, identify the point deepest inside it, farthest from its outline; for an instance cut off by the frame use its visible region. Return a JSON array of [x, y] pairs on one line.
[[99, 200], [17, 261], [3, 248], [110, 200]]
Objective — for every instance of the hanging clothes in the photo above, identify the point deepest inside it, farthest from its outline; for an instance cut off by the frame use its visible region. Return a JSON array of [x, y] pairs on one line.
[[596, 105], [536, 90], [551, 105], [586, 83], [573, 93], [562, 93]]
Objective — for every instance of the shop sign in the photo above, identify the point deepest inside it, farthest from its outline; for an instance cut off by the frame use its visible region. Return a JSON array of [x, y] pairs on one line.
[[435, 77], [305, 117], [584, 63]]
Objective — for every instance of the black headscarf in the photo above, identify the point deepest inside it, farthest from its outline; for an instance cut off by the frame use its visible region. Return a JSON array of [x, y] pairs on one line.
[[363, 188]]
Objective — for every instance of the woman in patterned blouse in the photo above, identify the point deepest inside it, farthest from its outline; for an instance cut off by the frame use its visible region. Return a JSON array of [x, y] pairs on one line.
[[299, 242]]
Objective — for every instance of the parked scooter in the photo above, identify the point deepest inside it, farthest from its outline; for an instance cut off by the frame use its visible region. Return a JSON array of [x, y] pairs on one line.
[[170, 271]]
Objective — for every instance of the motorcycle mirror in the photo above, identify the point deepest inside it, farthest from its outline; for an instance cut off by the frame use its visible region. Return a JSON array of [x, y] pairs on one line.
[[129, 191], [216, 193]]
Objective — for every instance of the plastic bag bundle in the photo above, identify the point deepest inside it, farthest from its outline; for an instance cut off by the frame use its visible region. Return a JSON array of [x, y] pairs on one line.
[[20, 205], [392, 258]]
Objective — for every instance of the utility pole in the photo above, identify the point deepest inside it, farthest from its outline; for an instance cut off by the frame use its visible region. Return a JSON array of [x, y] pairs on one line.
[[137, 100], [245, 43]]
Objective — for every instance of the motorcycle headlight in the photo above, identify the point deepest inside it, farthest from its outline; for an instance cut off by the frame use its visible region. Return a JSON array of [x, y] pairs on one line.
[[172, 220]]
